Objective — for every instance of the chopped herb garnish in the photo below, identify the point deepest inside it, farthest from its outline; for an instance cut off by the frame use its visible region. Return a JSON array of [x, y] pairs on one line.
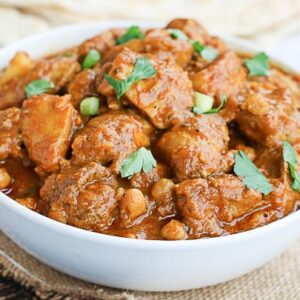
[[258, 65], [217, 109], [38, 87], [251, 175], [178, 34], [90, 106], [91, 59], [133, 32], [141, 159], [208, 53], [143, 69], [204, 104], [289, 156]]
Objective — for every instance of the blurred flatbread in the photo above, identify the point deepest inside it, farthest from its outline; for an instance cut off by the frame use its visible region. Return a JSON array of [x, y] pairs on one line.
[[264, 20]]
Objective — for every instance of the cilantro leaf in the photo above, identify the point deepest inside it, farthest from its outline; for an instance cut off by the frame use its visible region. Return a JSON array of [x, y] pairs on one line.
[[289, 156], [251, 175], [38, 87], [258, 65], [208, 53], [143, 69], [142, 159], [133, 32], [178, 34]]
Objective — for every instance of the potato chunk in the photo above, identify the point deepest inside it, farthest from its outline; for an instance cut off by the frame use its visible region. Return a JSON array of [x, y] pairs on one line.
[[59, 70], [47, 124], [10, 136], [165, 98], [160, 43]]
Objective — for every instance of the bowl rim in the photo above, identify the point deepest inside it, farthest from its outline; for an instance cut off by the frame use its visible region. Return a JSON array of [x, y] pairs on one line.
[[71, 231]]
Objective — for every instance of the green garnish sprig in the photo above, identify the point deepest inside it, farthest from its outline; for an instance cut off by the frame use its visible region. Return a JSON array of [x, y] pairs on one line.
[[289, 156], [140, 160], [133, 32], [37, 87], [143, 69], [258, 65], [251, 176]]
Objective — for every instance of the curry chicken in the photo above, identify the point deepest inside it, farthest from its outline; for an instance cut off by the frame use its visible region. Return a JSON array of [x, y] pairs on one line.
[[163, 133]]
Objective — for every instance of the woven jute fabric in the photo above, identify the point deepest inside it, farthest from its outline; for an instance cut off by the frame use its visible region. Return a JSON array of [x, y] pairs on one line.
[[280, 279]]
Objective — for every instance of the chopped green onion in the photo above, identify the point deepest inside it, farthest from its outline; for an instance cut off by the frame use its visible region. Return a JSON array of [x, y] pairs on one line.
[[178, 34], [217, 109], [90, 106], [203, 103], [91, 59], [37, 87], [208, 53], [133, 32]]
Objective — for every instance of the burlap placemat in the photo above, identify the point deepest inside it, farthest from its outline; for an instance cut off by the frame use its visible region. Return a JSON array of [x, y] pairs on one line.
[[280, 279]]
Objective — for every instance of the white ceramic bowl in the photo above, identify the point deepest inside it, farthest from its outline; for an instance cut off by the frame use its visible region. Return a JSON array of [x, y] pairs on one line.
[[127, 263]]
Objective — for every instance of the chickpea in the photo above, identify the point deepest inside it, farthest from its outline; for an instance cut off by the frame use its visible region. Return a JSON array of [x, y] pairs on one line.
[[256, 104], [163, 193], [174, 230], [28, 202], [132, 205], [5, 178]]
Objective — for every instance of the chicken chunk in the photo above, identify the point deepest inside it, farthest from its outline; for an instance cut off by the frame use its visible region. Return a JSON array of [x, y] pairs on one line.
[[165, 98], [160, 43], [83, 197], [101, 42], [269, 115], [191, 28], [10, 135], [82, 86], [59, 70], [207, 204], [196, 32], [18, 67], [224, 76], [196, 148], [47, 125], [109, 138]]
